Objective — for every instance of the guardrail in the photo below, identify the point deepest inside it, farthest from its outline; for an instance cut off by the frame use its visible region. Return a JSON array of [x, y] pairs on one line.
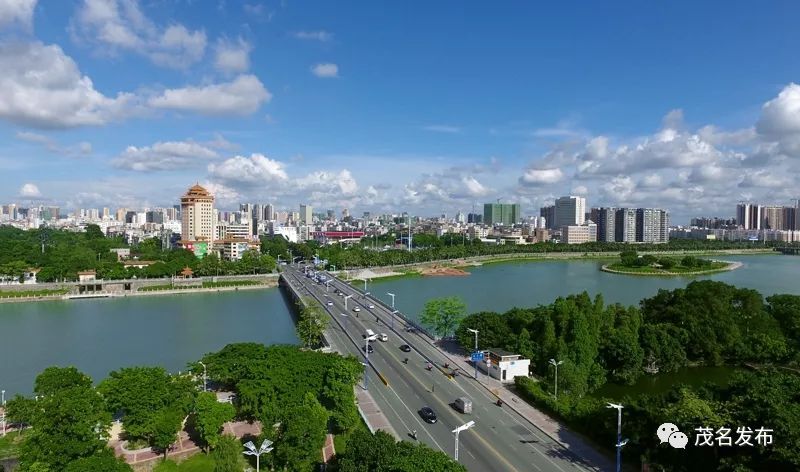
[[326, 346]]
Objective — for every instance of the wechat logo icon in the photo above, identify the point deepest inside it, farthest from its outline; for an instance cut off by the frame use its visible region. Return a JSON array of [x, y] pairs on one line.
[[669, 433]]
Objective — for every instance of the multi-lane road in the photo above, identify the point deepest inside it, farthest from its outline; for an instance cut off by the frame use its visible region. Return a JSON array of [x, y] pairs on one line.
[[500, 440]]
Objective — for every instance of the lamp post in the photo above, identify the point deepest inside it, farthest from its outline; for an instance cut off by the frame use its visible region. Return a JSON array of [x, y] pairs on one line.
[[393, 310], [475, 331], [463, 427], [620, 442], [3, 403], [205, 389], [366, 383], [556, 364], [328, 285], [345, 300], [266, 447]]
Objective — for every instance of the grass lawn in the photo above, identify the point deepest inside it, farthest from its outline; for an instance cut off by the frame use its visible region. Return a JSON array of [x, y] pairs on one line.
[[678, 269], [9, 445], [197, 463], [31, 293]]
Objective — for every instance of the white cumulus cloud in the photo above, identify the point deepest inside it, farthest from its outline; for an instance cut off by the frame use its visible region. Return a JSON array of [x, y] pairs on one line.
[[17, 12], [257, 169], [170, 155], [535, 176], [40, 86], [29, 191], [326, 71], [114, 25], [320, 35], [242, 96], [232, 57]]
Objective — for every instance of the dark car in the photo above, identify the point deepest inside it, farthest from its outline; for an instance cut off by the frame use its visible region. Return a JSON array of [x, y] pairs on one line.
[[427, 414], [405, 348], [368, 349]]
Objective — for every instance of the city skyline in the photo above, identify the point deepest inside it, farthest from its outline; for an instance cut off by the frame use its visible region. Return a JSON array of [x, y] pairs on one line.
[[285, 104]]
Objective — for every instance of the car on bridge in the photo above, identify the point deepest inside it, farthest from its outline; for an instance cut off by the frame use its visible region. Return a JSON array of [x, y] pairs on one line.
[[383, 337], [427, 414], [356, 309], [371, 306], [368, 349], [405, 348], [330, 303]]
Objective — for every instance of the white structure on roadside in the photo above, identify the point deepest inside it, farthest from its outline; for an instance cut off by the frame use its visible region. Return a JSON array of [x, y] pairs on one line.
[[504, 366]]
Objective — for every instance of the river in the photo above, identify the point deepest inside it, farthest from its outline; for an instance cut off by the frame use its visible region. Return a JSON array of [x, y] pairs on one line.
[[98, 336]]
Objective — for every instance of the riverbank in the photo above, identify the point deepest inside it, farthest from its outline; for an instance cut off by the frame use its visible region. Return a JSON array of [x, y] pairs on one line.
[[462, 265], [142, 293], [665, 273]]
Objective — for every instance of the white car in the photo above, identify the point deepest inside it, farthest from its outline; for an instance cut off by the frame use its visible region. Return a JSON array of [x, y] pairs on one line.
[[356, 309], [330, 303], [383, 337]]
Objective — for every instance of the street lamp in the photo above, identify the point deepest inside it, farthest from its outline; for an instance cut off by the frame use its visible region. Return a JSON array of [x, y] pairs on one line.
[[205, 389], [365, 284], [366, 386], [475, 331], [345, 300], [620, 442], [328, 285], [463, 427], [3, 403], [393, 310], [556, 364], [266, 447]]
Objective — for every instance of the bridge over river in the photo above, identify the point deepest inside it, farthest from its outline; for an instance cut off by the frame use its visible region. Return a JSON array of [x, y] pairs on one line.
[[504, 438]]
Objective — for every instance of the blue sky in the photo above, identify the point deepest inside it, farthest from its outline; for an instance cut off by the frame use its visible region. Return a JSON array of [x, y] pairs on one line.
[[400, 106]]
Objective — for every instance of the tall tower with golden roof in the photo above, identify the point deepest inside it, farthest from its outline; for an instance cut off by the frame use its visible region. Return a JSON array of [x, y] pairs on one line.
[[198, 219]]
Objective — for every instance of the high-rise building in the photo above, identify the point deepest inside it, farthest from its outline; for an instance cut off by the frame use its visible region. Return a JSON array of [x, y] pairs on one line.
[[748, 216], [605, 218], [773, 217], [306, 214], [625, 225], [198, 215], [154, 216], [570, 210], [549, 215], [119, 215], [475, 218], [506, 214], [106, 213], [130, 217], [269, 212], [651, 225], [345, 214]]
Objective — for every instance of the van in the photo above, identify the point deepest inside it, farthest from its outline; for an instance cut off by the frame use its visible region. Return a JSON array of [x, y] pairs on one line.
[[370, 336], [463, 404]]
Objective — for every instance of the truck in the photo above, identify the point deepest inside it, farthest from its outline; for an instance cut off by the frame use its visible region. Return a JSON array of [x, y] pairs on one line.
[[463, 404]]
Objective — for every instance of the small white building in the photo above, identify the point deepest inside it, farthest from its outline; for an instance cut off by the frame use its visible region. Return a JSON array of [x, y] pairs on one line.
[[504, 365]]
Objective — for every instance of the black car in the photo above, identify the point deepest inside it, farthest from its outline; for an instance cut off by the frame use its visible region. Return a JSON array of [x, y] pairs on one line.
[[368, 348], [427, 414], [405, 348]]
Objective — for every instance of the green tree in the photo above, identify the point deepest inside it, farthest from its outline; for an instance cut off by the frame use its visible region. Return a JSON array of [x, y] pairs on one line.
[[209, 417], [141, 393], [302, 434], [104, 461], [56, 379], [166, 425], [629, 258], [227, 455], [443, 315], [312, 322], [493, 330], [68, 423]]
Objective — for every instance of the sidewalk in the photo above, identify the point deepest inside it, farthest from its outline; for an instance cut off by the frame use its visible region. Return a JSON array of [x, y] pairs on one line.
[[552, 428], [372, 414]]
